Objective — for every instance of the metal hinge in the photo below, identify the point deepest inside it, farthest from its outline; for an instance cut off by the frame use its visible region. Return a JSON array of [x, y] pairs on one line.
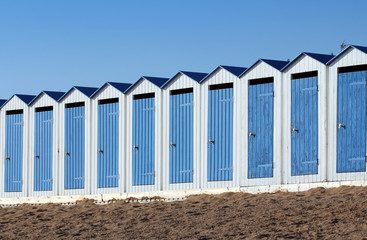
[[273, 94], [119, 176], [153, 173], [193, 104], [84, 116], [232, 99], [22, 181], [192, 171], [318, 162], [154, 108], [365, 158], [52, 181], [23, 123]]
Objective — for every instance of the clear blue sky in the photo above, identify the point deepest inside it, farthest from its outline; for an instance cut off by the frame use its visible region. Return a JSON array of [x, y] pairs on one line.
[[53, 45]]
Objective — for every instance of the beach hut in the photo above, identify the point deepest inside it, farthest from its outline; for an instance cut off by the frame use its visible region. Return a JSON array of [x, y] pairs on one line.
[[219, 131], [259, 116], [75, 141], [14, 151], [304, 94], [144, 135], [347, 115], [44, 144], [181, 132], [108, 138]]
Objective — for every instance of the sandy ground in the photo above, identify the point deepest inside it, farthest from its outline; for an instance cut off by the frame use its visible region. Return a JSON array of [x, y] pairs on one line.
[[339, 213]]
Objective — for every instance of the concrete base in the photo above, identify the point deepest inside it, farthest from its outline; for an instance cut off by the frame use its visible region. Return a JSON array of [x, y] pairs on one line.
[[179, 195]]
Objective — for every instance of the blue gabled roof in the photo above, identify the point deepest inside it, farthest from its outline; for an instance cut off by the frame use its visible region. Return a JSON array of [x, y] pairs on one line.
[[52, 94], [361, 48], [322, 58], [122, 87], [237, 71], [2, 102], [234, 70], [196, 76], [27, 99], [159, 82], [277, 64], [87, 91]]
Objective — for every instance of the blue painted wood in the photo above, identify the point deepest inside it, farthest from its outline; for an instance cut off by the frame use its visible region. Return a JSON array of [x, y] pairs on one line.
[[108, 145], [260, 125], [143, 141], [304, 131], [181, 138], [74, 148], [43, 127], [13, 152], [220, 135], [352, 111]]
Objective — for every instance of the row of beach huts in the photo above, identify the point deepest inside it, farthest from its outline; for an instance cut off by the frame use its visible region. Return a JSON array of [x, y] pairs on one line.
[[274, 123]]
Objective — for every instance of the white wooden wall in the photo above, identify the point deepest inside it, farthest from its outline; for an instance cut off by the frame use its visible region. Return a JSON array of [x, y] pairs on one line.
[[219, 76], [305, 64], [181, 82], [350, 57], [108, 92], [15, 104], [75, 96], [260, 70], [44, 101], [142, 87]]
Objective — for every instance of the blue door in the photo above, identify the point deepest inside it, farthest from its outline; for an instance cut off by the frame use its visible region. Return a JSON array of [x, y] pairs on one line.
[[108, 145], [351, 133], [143, 141], [304, 129], [13, 152], [220, 134], [74, 147], [43, 151], [260, 127], [181, 138]]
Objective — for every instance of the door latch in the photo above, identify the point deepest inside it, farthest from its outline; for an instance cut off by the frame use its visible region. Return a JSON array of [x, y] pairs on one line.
[[135, 147], [251, 134], [211, 141], [340, 125], [100, 150], [295, 130], [172, 144], [36, 156]]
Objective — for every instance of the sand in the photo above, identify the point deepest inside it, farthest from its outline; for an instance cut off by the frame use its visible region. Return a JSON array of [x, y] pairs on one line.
[[338, 213]]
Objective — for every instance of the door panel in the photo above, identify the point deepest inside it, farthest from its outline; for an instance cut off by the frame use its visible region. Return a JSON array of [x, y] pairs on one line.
[[352, 111], [108, 145], [260, 125], [43, 128], [181, 138], [304, 130], [74, 148], [143, 141], [220, 134], [13, 152]]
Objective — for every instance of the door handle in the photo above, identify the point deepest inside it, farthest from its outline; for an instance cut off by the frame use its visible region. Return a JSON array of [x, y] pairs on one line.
[[251, 134], [100, 150], [67, 154], [340, 125], [135, 147], [36, 156], [172, 144], [211, 141], [295, 130], [7, 158]]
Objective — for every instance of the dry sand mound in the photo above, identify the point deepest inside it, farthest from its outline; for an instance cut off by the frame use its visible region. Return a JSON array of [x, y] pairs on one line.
[[339, 213]]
